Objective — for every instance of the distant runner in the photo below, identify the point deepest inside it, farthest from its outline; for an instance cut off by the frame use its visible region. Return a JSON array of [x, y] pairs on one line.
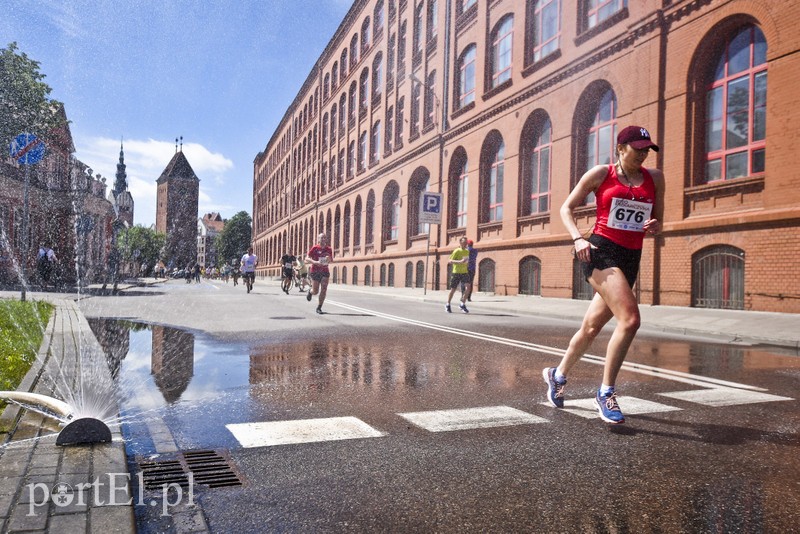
[[249, 262]]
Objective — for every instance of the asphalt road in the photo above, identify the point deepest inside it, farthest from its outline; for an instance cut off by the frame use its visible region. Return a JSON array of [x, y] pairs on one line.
[[391, 415]]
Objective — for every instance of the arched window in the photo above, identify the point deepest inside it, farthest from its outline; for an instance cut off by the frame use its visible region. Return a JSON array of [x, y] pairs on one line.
[[375, 146], [362, 151], [355, 275], [337, 226], [420, 274], [346, 227], [335, 276], [378, 18], [736, 108], [391, 212], [369, 223], [363, 91], [430, 99], [718, 278], [418, 20], [357, 223], [389, 129], [334, 75], [351, 158], [417, 185], [546, 28], [383, 275], [458, 189], [368, 275], [390, 282], [596, 141], [416, 91], [333, 124], [326, 86], [486, 275], [409, 274], [343, 64], [354, 53], [365, 36], [492, 170], [502, 40], [351, 105], [398, 133], [344, 275], [433, 19], [342, 110], [466, 76], [377, 76], [535, 175], [530, 276]]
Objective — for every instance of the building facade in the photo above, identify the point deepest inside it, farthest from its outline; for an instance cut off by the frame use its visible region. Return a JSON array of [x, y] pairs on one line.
[[177, 199], [502, 105], [209, 226], [68, 211]]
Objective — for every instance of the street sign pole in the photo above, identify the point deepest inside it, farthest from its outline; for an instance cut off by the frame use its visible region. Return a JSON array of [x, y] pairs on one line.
[[27, 150], [430, 212]]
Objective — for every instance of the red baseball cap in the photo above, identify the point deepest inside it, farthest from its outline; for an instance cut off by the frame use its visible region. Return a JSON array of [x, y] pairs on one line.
[[469, 242], [637, 137]]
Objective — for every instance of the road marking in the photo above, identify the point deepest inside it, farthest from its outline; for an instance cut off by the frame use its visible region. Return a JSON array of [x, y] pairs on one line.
[[469, 418], [629, 405], [271, 433], [723, 396], [668, 374]]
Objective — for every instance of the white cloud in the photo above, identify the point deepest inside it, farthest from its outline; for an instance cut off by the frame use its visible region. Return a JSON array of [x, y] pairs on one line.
[[145, 160]]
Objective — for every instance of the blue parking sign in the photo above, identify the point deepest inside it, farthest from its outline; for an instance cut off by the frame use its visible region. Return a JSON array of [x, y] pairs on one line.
[[430, 209]]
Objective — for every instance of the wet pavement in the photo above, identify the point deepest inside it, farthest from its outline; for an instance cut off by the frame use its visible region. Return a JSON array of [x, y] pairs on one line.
[[441, 419]]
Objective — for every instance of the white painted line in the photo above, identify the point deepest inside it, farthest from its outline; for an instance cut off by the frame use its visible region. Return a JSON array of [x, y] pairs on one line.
[[723, 396], [468, 418], [629, 405], [270, 433]]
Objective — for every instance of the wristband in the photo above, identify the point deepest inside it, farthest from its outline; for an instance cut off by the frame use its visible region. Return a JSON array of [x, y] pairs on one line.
[[581, 237]]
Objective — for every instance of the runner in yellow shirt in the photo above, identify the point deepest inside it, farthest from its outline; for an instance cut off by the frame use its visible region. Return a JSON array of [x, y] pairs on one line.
[[459, 259]]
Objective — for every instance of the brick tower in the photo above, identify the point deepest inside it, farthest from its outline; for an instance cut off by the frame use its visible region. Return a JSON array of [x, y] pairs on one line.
[[176, 210]]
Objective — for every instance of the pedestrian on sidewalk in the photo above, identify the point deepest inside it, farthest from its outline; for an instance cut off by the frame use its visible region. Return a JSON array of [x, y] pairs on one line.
[[630, 204], [319, 257], [459, 259]]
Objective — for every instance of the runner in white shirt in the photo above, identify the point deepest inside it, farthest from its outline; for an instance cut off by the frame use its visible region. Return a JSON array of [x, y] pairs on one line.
[[249, 263]]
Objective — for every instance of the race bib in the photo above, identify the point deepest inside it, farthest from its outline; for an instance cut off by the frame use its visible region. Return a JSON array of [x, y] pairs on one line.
[[288, 265], [630, 215]]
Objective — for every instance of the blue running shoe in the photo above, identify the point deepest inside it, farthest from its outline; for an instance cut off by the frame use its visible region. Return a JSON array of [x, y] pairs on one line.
[[447, 308], [608, 409], [463, 307], [555, 390]]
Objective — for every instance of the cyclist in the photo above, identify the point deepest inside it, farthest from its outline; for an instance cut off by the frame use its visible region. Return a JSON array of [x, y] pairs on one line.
[[249, 262]]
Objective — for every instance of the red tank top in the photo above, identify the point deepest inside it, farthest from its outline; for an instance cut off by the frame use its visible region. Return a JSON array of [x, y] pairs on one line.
[[622, 209]]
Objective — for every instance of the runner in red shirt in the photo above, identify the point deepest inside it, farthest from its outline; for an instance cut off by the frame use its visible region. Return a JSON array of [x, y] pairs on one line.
[[630, 204], [319, 257]]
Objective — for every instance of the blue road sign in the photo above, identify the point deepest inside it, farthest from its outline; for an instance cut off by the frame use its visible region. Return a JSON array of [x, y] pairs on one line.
[[27, 149], [430, 209]]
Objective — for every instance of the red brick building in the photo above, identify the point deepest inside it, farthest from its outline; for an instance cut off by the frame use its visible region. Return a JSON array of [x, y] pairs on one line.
[[502, 105], [177, 197], [68, 211]]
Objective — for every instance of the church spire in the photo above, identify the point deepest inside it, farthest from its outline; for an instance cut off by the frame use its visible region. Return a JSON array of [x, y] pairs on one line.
[[121, 182]]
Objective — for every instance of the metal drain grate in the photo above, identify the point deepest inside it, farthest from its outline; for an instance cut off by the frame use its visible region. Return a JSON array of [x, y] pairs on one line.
[[156, 474], [211, 469], [207, 467]]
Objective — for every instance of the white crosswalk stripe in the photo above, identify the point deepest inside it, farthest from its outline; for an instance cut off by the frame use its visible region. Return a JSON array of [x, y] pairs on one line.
[[723, 396], [629, 405], [469, 418], [270, 433]]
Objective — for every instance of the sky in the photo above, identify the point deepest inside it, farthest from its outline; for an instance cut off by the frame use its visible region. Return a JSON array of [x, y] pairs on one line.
[[219, 73]]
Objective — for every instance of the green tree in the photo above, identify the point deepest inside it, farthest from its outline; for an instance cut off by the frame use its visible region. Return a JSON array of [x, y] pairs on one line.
[[25, 105], [145, 240], [234, 239]]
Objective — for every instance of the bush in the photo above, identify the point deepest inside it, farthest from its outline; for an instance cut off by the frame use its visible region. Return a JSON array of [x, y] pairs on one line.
[[22, 326]]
